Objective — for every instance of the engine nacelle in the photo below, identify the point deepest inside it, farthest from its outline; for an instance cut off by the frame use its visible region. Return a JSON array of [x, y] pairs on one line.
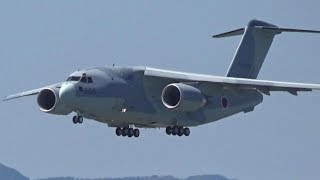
[[182, 97], [49, 102]]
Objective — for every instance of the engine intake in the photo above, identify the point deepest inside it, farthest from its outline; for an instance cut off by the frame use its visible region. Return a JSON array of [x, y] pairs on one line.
[[49, 102], [182, 97], [46, 99]]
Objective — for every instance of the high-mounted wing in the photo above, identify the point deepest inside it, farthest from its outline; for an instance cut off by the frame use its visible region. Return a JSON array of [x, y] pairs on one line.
[[29, 93], [229, 82]]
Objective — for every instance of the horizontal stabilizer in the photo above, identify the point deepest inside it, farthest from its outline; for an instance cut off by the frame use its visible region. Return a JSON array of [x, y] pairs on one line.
[[276, 30], [280, 30], [230, 33]]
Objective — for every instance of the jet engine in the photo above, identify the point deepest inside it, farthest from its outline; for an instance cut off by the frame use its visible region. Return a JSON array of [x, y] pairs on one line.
[[183, 97], [49, 102]]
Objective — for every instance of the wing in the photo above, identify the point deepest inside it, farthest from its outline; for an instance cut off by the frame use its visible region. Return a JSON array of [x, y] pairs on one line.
[[29, 93], [228, 82], [266, 86]]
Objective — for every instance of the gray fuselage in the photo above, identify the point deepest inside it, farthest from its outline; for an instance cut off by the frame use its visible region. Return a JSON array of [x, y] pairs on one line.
[[121, 96]]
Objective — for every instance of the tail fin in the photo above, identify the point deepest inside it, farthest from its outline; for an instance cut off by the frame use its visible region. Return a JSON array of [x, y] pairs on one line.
[[253, 48]]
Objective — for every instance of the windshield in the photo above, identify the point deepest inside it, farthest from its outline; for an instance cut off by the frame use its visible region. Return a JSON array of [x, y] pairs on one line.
[[83, 79], [73, 78]]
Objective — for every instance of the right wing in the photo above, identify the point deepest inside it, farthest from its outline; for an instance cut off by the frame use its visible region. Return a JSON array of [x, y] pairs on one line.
[[29, 93]]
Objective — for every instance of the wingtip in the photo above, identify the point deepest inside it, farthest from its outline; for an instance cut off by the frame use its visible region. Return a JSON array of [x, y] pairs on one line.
[[6, 98]]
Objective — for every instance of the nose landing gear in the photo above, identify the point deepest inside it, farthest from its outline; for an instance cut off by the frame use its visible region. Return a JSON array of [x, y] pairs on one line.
[[77, 119]]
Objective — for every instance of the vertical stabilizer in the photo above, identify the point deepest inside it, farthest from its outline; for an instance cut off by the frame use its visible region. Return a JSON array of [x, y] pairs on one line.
[[252, 50], [254, 46]]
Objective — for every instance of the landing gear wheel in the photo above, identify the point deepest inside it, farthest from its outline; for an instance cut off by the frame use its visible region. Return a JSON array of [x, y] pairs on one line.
[[169, 130], [186, 131], [130, 132], [125, 131], [175, 130], [118, 131], [80, 119], [180, 131], [74, 120], [77, 119], [136, 133]]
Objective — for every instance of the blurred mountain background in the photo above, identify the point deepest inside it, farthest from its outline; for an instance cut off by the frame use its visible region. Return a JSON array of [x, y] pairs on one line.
[[7, 173]]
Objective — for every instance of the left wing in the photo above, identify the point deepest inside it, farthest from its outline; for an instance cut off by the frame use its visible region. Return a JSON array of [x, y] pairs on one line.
[[29, 93], [228, 82]]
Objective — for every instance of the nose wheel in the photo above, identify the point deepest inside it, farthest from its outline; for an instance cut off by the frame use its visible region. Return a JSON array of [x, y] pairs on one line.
[[130, 132], [177, 130], [77, 119]]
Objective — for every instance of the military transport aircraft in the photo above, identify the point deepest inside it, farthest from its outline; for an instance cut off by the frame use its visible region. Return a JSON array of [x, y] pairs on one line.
[[128, 98]]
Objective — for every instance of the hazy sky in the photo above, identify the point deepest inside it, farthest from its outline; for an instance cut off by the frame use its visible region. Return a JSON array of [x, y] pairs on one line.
[[42, 42]]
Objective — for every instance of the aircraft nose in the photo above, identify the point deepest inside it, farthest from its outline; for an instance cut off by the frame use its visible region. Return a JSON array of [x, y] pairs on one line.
[[67, 93]]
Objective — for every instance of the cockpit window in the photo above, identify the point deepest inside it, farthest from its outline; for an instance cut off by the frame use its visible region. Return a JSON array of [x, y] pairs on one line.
[[73, 78], [83, 79], [89, 80]]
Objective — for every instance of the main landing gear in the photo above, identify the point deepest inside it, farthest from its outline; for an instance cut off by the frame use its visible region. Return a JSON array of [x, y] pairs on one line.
[[177, 130], [77, 119], [127, 132]]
